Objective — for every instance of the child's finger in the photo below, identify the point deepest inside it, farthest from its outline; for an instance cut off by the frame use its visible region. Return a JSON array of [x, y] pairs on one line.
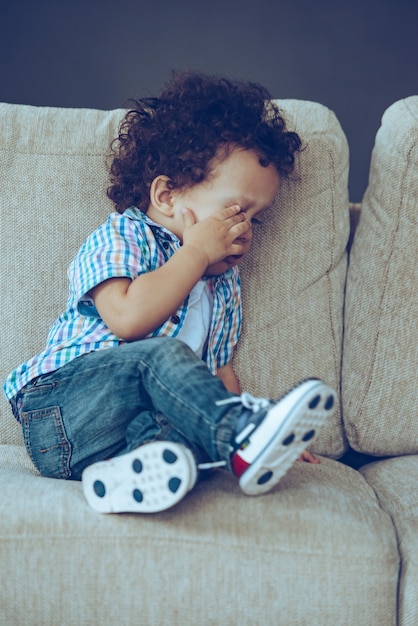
[[239, 228], [228, 212]]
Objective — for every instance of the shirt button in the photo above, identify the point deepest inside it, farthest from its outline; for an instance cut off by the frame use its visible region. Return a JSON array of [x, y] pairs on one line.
[[175, 319], [166, 245]]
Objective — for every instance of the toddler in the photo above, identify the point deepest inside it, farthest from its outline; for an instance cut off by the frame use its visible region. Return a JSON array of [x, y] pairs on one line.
[[135, 393]]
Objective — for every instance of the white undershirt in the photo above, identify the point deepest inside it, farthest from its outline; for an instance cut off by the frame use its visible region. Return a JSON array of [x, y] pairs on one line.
[[196, 325]]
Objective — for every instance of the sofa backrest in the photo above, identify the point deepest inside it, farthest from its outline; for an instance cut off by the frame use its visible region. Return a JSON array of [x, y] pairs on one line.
[[52, 165], [380, 370], [52, 194]]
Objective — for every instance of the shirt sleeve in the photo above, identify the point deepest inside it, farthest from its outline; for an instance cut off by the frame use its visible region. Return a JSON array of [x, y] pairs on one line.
[[229, 329], [121, 247]]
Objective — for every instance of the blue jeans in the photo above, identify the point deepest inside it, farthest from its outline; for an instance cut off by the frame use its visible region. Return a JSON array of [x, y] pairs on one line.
[[109, 402]]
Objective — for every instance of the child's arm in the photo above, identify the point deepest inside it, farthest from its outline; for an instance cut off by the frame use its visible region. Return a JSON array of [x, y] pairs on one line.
[[134, 308], [229, 378]]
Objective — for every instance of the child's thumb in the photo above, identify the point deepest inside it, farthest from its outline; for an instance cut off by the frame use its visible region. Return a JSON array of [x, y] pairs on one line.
[[188, 217]]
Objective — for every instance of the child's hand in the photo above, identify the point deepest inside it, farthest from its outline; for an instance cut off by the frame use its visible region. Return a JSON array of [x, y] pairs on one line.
[[217, 236]]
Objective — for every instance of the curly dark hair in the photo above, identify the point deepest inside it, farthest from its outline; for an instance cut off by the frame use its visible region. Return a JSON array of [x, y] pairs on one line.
[[179, 133]]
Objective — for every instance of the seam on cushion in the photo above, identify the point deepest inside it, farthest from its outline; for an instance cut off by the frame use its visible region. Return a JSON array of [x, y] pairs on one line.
[[330, 269], [398, 546], [225, 543], [370, 376]]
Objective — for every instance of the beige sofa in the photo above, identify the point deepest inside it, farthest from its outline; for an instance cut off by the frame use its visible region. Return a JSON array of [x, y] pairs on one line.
[[331, 545]]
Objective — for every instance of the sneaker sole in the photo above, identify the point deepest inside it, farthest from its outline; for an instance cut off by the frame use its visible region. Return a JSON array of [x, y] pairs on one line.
[[299, 415], [151, 478]]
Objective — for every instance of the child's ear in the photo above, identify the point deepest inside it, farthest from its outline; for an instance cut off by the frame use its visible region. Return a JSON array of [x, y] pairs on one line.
[[161, 195]]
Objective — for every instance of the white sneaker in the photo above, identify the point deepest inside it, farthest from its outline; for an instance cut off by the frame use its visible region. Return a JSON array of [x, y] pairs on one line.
[[151, 478], [273, 434]]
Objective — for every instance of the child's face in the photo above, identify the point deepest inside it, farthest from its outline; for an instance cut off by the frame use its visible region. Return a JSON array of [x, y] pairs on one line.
[[238, 179]]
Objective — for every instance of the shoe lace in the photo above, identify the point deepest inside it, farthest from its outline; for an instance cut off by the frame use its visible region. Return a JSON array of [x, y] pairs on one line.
[[249, 401]]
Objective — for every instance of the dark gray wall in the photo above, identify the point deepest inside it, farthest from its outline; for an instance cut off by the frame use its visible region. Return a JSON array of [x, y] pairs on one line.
[[356, 57]]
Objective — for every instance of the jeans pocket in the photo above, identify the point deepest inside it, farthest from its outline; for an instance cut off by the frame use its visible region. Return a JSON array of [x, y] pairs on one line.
[[46, 441]]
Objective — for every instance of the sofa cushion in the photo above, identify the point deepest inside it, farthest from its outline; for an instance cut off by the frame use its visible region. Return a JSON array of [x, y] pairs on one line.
[[395, 484], [293, 278], [380, 365], [318, 549], [53, 182], [52, 168]]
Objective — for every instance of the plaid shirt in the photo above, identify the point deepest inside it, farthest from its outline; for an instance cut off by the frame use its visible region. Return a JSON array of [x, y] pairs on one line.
[[127, 245]]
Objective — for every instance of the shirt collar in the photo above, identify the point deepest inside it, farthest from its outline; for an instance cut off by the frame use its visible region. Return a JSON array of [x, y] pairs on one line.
[[137, 215]]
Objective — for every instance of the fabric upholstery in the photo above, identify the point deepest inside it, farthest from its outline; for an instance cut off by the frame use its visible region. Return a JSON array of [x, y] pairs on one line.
[[292, 327], [294, 276], [380, 366], [395, 484], [318, 550], [52, 168]]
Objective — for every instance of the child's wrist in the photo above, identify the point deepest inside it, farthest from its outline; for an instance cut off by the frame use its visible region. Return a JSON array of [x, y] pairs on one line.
[[196, 256]]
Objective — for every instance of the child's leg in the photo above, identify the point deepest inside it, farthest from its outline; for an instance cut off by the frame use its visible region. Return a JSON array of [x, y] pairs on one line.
[[257, 439], [106, 403], [111, 401]]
